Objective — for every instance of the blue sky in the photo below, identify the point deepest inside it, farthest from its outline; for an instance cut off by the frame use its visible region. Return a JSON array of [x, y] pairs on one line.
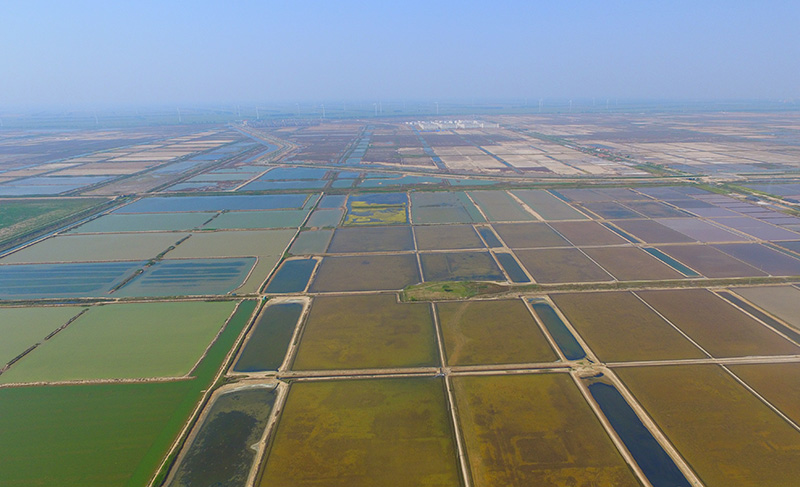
[[152, 52]]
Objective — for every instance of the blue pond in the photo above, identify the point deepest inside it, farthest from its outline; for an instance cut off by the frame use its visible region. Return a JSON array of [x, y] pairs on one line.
[[567, 343], [189, 277], [292, 277], [657, 466], [83, 279]]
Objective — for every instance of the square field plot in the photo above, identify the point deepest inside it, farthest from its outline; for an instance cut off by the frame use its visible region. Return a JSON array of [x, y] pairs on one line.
[[311, 242], [366, 273], [618, 327], [777, 383], [492, 332], [362, 332], [763, 258], [81, 279], [95, 248], [537, 429], [460, 266], [443, 207], [499, 206], [717, 326], [780, 301], [587, 233], [529, 235], [548, 206], [447, 237], [325, 218], [709, 261], [21, 328], [125, 341], [726, 434], [363, 433], [652, 232], [371, 239], [561, 265], [701, 231], [631, 263]]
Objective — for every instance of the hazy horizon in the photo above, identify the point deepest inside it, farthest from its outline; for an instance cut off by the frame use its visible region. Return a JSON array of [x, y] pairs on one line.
[[96, 54]]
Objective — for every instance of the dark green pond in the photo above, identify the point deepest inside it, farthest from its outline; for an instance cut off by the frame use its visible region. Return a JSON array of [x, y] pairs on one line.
[[269, 338], [513, 269], [569, 346], [221, 454]]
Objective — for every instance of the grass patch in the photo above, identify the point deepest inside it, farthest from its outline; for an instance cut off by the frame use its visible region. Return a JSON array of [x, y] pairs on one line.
[[439, 291]]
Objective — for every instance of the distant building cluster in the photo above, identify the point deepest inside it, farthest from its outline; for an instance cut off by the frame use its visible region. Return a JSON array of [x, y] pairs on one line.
[[451, 124]]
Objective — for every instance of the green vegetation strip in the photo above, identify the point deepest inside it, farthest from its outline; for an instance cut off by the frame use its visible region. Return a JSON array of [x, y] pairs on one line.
[[102, 435], [445, 291], [25, 219]]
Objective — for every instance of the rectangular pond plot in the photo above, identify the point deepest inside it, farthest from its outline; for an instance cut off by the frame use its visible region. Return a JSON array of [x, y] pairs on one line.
[[82, 279], [96, 247], [537, 429], [325, 218], [447, 237], [655, 209], [22, 328], [166, 222], [760, 315], [367, 331], [125, 341], [709, 261], [189, 277], [292, 276], [166, 204], [716, 325], [512, 267], [443, 207], [266, 185], [611, 210], [460, 266], [555, 326], [561, 265], [757, 228], [282, 173], [548, 206], [363, 433], [269, 339], [701, 231], [780, 301], [371, 239], [631, 263], [587, 233], [686, 271], [366, 273], [763, 258], [529, 235], [618, 327], [513, 337], [489, 237], [655, 463], [652, 232], [724, 432], [499, 206], [332, 201], [311, 242], [250, 220], [221, 453]]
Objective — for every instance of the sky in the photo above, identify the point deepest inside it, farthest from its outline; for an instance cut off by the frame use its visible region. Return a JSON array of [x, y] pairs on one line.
[[89, 53]]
